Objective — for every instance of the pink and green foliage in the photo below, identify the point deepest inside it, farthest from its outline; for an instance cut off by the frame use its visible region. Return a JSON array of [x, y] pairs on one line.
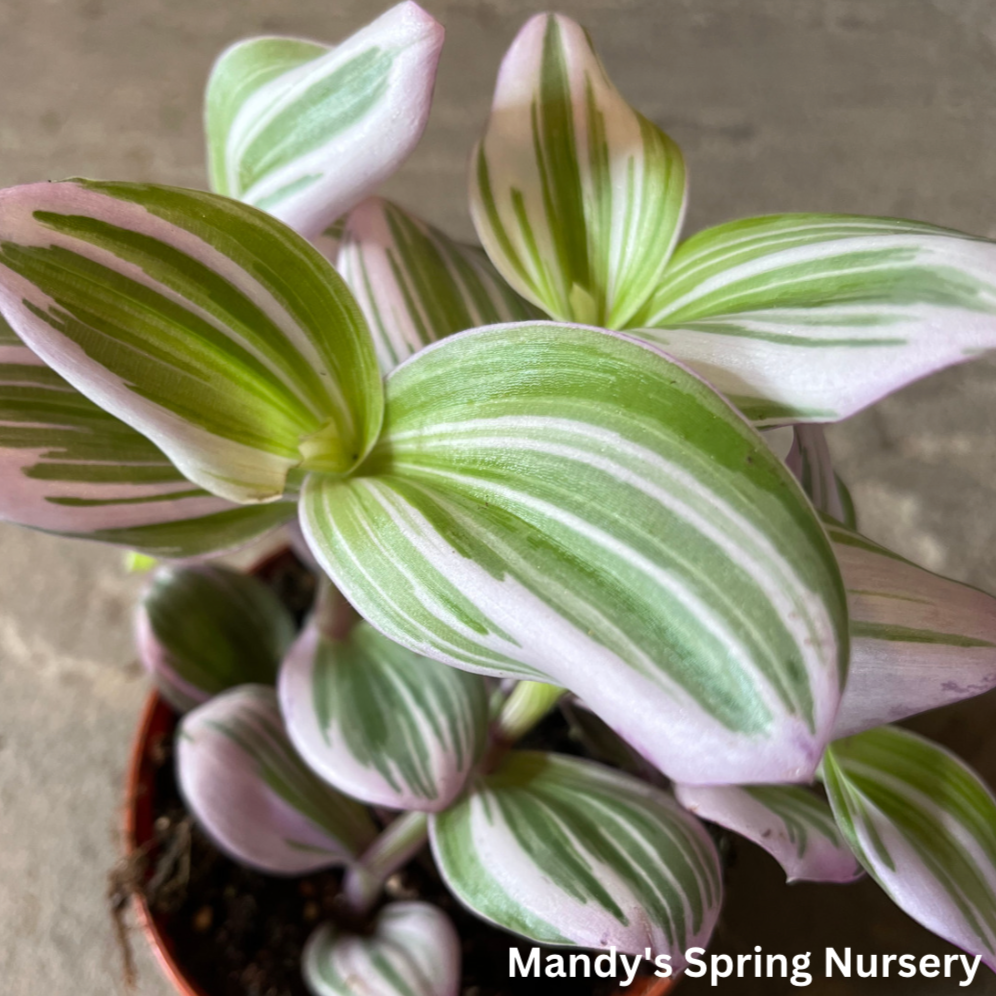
[[540, 462]]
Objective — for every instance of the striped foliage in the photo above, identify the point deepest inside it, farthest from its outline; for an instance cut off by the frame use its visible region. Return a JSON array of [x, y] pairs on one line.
[[924, 826], [565, 851], [794, 825], [381, 723], [565, 504], [576, 197], [303, 130], [809, 318], [809, 460], [203, 629], [259, 802], [918, 640], [202, 323], [413, 950], [416, 285], [69, 467]]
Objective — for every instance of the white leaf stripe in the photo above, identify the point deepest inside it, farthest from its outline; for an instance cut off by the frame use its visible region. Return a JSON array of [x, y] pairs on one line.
[[69, 467], [761, 306], [791, 823], [304, 131], [414, 950], [565, 851], [249, 790], [918, 640], [576, 197], [381, 723], [416, 285], [517, 520], [924, 825], [207, 326]]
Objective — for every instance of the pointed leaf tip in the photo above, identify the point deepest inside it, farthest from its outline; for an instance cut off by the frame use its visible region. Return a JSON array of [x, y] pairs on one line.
[[248, 789], [304, 130], [576, 197]]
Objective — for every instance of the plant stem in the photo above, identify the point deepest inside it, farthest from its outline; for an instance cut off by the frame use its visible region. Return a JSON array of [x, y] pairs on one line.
[[399, 842], [529, 702], [333, 615]]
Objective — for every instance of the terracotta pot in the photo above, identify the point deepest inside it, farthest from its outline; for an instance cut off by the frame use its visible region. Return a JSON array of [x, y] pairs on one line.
[[156, 726]]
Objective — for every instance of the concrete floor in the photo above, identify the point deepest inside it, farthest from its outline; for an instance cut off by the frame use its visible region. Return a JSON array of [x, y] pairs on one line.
[[882, 107]]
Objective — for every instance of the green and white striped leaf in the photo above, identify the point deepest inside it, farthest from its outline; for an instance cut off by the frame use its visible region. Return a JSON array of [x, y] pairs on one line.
[[577, 198], [918, 640], [203, 629], [809, 460], [414, 950], [924, 826], [209, 327], [810, 318], [381, 723], [68, 467], [416, 285], [565, 851], [568, 505], [304, 130], [794, 825], [253, 795]]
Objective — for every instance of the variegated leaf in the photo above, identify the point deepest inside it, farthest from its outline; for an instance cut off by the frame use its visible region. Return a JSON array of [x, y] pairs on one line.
[[69, 467], [924, 826], [247, 788], [565, 851], [809, 459], [565, 504], [918, 640], [416, 285], [809, 318], [576, 197], [204, 324], [794, 825], [413, 950], [381, 723], [303, 130], [203, 629]]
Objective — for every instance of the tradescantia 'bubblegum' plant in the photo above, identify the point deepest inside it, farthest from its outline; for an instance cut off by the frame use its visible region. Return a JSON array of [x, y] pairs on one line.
[[539, 463]]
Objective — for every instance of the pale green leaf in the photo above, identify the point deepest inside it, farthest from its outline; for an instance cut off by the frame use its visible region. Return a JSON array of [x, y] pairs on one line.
[[567, 505], [576, 196]]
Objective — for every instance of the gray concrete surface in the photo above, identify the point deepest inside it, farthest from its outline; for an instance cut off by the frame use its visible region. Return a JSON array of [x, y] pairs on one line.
[[879, 106]]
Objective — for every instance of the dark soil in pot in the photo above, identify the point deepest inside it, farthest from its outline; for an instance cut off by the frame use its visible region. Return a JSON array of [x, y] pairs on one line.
[[230, 931]]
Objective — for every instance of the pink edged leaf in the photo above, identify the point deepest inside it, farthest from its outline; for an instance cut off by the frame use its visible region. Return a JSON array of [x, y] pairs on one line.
[[791, 823], [259, 802], [382, 723], [918, 640], [413, 950], [567, 852], [304, 130]]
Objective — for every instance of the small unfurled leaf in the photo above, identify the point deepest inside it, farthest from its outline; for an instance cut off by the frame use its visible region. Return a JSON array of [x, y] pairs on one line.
[[565, 851], [304, 130], [416, 285], [577, 198], [809, 318], [566, 505], [380, 722], [203, 629], [924, 826], [209, 327], [259, 802], [413, 950], [69, 467], [794, 825], [918, 641], [809, 460]]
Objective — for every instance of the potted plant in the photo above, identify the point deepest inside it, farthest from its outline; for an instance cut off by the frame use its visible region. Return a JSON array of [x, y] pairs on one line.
[[579, 473]]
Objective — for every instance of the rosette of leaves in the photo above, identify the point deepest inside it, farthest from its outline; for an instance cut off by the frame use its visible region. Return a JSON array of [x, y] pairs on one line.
[[540, 462]]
